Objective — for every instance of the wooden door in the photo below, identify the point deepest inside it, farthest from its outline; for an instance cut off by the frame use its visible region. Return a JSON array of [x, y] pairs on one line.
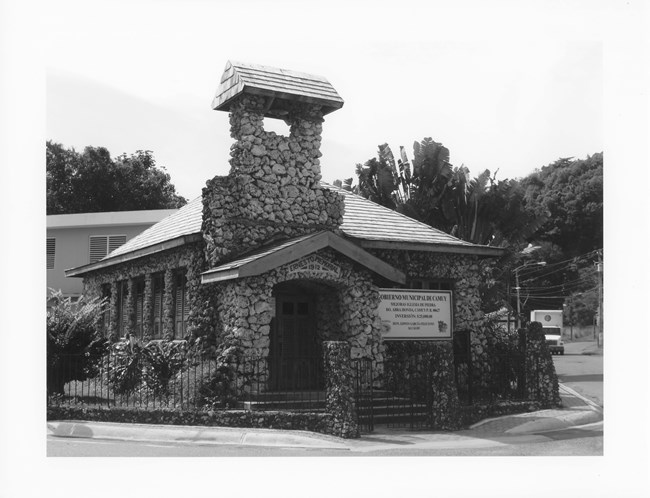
[[295, 351]]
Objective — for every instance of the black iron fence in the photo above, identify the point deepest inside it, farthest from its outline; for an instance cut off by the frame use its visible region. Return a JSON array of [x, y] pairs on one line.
[[362, 374], [188, 382]]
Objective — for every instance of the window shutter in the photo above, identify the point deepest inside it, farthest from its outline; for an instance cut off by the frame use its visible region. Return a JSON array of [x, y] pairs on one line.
[[125, 316], [97, 247], [51, 250], [139, 309], [157, 306], [115, 241]]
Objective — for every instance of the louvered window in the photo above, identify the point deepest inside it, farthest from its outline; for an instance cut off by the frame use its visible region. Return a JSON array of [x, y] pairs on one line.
[[102, 245], [181, 310], [139, 308], [430, 284], [51, 250], [122, 296], [158, 287], [106, 316]]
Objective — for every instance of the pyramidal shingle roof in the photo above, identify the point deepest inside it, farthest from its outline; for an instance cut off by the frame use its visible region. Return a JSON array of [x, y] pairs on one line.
[[239, 77], [370, 224]]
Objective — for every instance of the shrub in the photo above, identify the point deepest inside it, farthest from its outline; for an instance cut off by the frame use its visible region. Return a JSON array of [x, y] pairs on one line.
[[126, 366], [74, 345], [163, 360], [154, 365], [219, 390]]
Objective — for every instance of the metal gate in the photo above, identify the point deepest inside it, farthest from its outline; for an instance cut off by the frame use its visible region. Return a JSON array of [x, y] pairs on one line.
[[463, 372], [402, 396]]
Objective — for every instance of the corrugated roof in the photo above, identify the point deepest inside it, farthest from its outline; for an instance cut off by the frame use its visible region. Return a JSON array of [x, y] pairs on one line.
[[240, 78], [186, 221]]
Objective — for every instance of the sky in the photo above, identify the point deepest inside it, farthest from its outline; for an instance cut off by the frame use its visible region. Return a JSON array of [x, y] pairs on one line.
[[511, 85], [142, 74]]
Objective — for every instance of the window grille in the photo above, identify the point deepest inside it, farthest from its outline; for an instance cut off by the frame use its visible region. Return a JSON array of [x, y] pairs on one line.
[[51, 250]]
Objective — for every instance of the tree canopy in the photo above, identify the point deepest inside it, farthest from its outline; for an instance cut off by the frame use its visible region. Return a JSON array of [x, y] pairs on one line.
[[557, 211], [92, 181], [429, 189], [571, 192]]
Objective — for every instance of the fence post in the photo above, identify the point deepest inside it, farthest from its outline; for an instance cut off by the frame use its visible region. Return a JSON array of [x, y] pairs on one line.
[[339, 389]]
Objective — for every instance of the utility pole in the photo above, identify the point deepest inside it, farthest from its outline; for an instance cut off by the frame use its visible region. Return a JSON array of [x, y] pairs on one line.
[[518, 298], [599, 269]]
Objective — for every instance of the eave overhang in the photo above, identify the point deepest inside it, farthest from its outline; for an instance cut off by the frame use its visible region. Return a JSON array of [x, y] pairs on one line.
[[81, 271], [267, 259], [476, 250]]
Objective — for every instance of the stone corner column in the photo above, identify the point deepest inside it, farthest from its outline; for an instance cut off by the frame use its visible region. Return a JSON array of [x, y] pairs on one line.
[[168, 306], [444, 410], [339, 389], [541, 382], [113, 335]]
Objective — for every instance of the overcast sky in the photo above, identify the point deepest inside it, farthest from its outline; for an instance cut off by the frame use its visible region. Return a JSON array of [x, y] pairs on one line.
[[503, 89]]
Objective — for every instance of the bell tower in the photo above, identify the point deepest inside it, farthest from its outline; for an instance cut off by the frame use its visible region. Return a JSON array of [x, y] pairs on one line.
[[272, 191]]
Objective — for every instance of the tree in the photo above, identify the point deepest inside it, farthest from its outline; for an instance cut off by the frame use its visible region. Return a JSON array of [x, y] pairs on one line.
[[93, 182], [571, 192], [429, 189], [74, 345]]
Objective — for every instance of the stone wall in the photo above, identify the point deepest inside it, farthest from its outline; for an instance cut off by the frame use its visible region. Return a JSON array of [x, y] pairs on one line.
[[188, 258], [466, 273], [272, 191], [245, 308]]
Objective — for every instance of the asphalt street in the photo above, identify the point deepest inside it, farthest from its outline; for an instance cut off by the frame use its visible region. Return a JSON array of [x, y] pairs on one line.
[[581, 372]]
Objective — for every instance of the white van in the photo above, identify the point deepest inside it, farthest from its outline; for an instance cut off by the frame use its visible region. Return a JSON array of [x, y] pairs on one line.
[[551, 321]]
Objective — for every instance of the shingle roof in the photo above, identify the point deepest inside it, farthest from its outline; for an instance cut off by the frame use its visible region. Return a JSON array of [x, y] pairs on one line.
[[240, 78], [367, 220], [363, 220], [186, 221]]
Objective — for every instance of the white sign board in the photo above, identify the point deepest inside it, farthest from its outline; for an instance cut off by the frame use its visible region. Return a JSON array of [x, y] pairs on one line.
[[415, 314]]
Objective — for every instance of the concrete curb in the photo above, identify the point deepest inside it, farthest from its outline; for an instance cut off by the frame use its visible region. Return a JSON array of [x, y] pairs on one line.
[[190, 434], [587, 401], [571, 419]]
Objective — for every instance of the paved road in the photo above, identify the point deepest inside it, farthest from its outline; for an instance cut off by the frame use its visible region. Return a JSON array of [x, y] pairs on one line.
[[582, 373]]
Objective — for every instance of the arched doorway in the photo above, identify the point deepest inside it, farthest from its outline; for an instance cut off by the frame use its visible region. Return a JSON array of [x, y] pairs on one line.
[[304, 312]]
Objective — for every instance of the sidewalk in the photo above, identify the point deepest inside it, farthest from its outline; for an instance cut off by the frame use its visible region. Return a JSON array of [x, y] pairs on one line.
[[576, 411]]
